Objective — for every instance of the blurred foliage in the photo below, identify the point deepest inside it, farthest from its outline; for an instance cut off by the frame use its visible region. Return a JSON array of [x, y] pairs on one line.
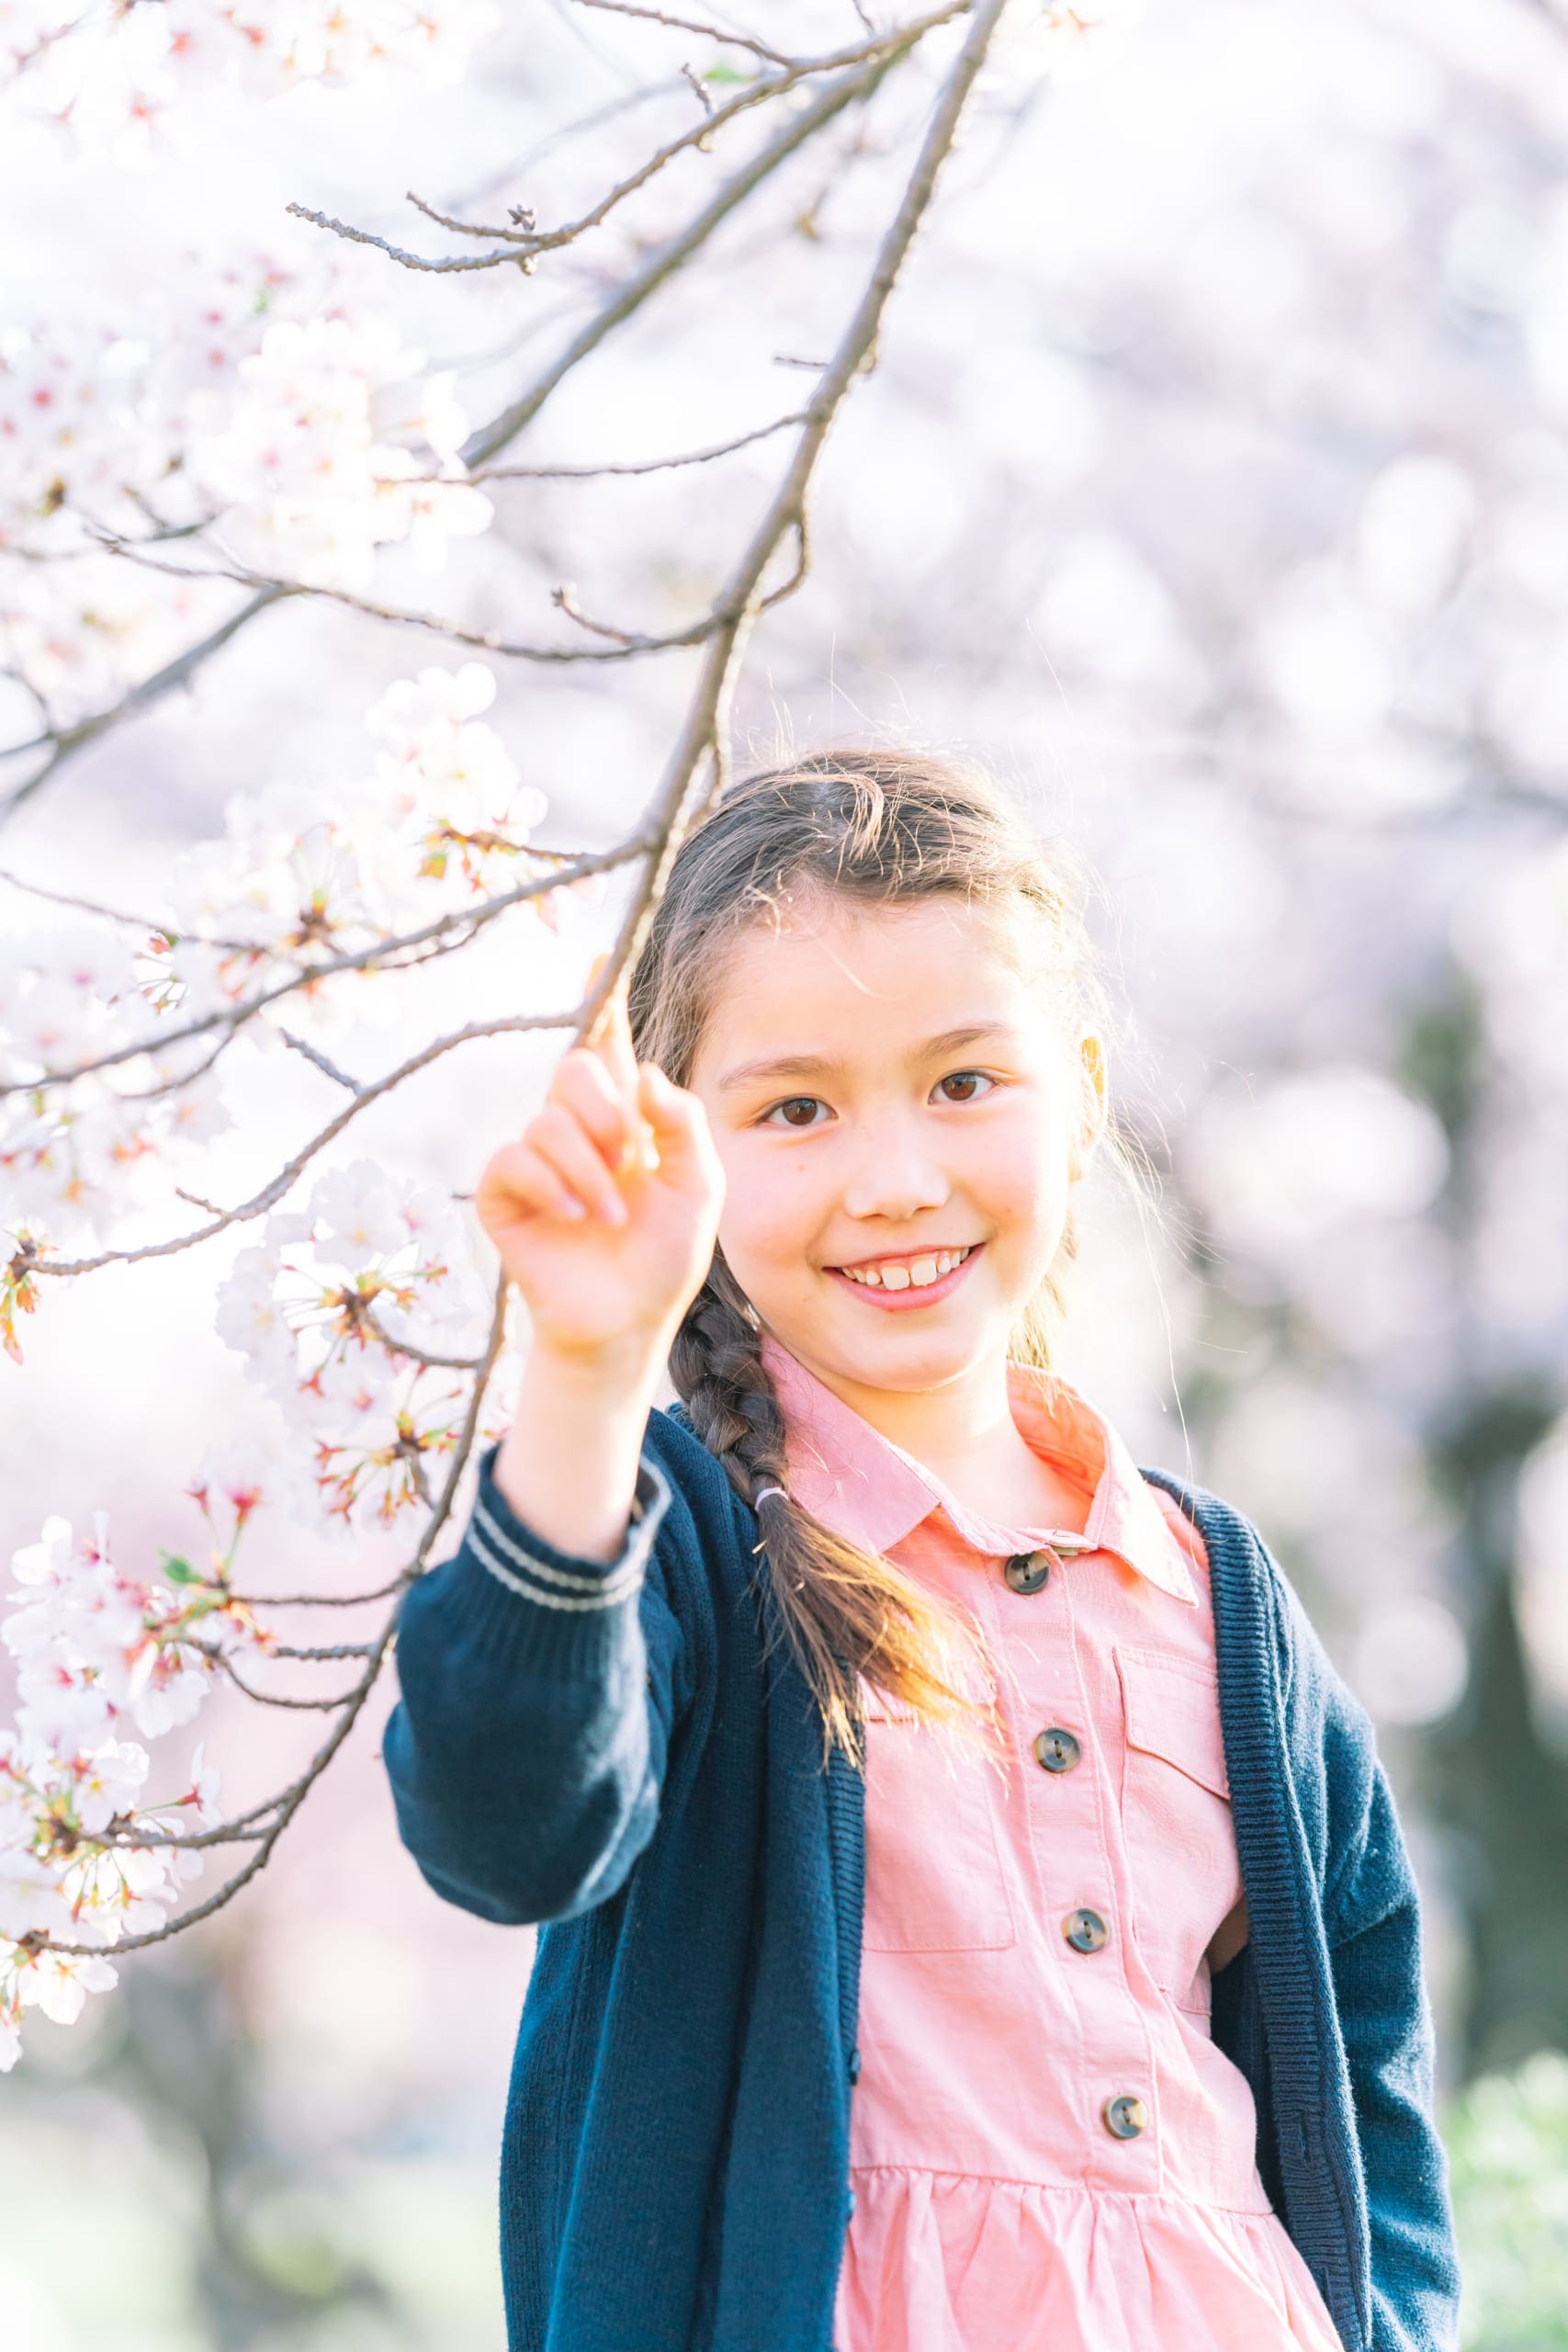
[[1508, 2139]]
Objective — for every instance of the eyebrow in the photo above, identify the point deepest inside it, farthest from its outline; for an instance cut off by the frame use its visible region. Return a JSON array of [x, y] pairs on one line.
[[947, 1041]]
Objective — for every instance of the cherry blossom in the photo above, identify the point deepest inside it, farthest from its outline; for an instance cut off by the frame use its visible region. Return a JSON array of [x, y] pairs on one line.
[[74, 1154], [299, 454], [97, 1647], [108, 72], [329, 1309], [274, 408]]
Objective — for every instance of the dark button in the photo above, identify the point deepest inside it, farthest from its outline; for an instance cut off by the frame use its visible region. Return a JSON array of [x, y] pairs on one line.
[[1125, 2116], [1027, 1571], [853, 2069], [1086, 1931], [1057, 1750]]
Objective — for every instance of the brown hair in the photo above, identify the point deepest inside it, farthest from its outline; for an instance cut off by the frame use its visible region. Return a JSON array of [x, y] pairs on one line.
[[888, 828]]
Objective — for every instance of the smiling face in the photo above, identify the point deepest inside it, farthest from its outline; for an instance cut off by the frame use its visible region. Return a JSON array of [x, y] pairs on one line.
[[901, 1119]]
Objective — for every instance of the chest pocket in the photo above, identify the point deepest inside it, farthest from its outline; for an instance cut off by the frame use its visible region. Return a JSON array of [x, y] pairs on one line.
[[933, 1871], [1176, 1819]]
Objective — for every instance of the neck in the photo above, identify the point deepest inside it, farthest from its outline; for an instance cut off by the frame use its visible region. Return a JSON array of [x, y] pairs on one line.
[[960, 1421]]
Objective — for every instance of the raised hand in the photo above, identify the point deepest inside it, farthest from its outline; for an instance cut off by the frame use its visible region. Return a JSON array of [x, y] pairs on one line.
[[605, 1208]]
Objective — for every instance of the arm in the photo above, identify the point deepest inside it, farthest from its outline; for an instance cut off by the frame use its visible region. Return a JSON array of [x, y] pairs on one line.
[[539, 1692], [1380, 1990], [542, 1667]]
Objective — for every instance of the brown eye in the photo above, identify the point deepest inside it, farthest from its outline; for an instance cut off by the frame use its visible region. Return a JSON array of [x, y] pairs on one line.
[[798, 1110], [963, 1086]]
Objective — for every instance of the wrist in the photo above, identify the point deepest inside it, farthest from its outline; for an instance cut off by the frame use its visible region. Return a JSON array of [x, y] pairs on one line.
[[603, 1371]]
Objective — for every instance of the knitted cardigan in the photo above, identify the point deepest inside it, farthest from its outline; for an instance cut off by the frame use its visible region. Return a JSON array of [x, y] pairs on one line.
[[628, 1754]]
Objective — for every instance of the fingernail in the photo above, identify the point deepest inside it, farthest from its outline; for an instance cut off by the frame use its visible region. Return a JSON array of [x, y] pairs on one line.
[[614, 1209], [572, 1208]]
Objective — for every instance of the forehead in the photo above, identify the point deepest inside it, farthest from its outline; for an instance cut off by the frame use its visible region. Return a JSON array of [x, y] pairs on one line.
[[831, 974]]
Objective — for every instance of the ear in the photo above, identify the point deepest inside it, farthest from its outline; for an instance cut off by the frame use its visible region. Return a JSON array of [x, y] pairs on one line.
[[1090, 1071]]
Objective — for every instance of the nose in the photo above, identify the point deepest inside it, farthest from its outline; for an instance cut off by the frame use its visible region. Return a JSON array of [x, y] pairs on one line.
[[895, 1174]]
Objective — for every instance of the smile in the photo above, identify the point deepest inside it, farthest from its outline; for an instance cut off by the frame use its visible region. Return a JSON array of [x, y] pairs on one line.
[[918, 1278]]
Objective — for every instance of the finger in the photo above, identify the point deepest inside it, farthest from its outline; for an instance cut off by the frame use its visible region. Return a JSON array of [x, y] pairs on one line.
[[611, 1038], [583, 1084], [562, 1144], [517, 1179], [678, 1124]]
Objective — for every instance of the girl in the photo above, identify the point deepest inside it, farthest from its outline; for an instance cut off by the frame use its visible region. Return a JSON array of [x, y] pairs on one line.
[[977, 1918]]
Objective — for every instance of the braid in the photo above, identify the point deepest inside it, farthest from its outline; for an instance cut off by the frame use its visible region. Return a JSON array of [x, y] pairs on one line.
[[716, 1366], [844, 1613]]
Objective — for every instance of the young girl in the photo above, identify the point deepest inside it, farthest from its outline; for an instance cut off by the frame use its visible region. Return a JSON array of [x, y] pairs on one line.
[[977, 1918]]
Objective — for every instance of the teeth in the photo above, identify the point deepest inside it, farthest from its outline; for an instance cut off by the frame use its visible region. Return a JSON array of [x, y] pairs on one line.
[[916, 1275]]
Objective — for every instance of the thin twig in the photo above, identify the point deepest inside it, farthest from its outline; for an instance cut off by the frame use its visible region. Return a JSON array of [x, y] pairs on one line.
[[640, 466], [467, 919], [415, 1355], [623, 304], [690, 25], [679, 803], [314, 1053], [273, 1191]]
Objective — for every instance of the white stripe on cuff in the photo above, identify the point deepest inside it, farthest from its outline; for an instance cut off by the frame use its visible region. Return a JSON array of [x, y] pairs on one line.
[[623, 1578]]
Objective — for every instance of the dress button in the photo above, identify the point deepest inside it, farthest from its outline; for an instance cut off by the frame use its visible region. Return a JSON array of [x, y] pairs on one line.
[[1086, 1931], [1125, 2116], [853, 2067], [1058, 1750], [1027, 1571]]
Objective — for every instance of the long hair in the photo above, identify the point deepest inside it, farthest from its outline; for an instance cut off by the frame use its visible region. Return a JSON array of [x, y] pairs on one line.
[[886, 828]]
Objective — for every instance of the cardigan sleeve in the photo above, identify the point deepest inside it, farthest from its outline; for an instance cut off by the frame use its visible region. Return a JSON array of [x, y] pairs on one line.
[[538, 1695], [1374, 1933]]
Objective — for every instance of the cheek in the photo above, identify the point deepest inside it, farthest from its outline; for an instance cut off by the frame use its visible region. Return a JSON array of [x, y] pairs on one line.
[[1018, 1175], [768, 1212]]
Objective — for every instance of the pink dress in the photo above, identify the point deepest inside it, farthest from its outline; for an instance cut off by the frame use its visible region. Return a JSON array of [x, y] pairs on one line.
[[1048, 2152]]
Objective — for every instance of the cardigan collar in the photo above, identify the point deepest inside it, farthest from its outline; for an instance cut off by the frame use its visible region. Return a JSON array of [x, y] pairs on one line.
[[872, 1493]]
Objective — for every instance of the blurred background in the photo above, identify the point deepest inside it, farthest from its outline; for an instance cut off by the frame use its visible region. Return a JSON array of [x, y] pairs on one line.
[[1211, 486]]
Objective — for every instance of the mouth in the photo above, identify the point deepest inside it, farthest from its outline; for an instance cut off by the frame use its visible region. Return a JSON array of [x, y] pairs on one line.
[[916, 1278]]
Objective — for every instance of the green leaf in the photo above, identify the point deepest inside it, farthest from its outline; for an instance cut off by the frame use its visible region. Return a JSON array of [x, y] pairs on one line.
[[177, 1570]]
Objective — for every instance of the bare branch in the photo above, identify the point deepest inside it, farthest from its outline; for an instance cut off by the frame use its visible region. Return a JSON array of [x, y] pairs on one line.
[[416, 1355], [486, 640], [666, 259], [178, 672], [700, 90], [157, 930], [679, 803], [688, 24], [641, 465], [314, 1053]]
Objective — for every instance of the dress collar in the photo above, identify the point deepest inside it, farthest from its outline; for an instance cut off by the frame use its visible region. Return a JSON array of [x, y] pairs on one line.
[[870, 1492]]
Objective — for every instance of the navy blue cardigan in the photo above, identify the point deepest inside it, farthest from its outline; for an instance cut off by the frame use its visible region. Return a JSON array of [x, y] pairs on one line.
[[608, 1749]]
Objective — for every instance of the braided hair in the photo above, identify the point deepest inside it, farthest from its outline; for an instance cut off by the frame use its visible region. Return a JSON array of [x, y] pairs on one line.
[[884, 827]]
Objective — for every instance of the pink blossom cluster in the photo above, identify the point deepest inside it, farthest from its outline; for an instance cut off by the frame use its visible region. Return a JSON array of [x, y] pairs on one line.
[[71, 1154], [108, 71], [98, 1651], [301, 875], [297, 426], [363, 1316]]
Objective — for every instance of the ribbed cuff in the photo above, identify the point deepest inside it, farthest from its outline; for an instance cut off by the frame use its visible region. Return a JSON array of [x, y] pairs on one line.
[[528, 1565]]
